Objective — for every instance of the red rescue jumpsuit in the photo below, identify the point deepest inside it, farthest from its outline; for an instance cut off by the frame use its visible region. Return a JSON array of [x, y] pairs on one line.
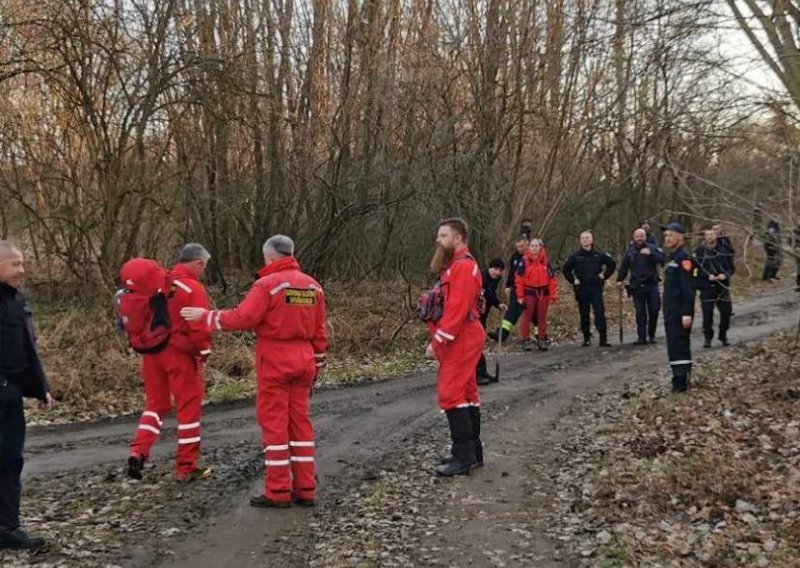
[[177, 371], [458, 337], [286, 309], [537, 288]]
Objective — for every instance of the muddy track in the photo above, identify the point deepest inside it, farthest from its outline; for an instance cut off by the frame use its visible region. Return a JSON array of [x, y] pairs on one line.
[[360, 430]]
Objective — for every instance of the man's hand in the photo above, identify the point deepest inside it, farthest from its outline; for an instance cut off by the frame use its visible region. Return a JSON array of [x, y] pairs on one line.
[[687, 322], [601, 276], [503, 307], [576, 282], [193, 314], [429, 352], [47, 403], [712, 278], [646, 251], [721, 277], [620, 284]]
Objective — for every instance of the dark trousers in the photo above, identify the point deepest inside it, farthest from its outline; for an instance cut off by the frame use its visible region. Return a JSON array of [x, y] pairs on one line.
[[591, 299], [647, 302], [12, 440], [679, 348], [720, 297]]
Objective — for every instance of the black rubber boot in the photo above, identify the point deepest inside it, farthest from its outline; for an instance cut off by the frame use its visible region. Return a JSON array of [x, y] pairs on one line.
[[680, 383], [475, 418], [135, 466], [604, 340], [461, 434]]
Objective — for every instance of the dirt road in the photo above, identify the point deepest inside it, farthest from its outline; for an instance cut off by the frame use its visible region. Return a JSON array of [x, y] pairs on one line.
[[360, 431]]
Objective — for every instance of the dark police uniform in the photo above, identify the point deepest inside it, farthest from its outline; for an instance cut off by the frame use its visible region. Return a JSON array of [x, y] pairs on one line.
[[713, 262], [643, 287], [21, 375], [588, 266], [514, 310], [679, 302], [492, 301]]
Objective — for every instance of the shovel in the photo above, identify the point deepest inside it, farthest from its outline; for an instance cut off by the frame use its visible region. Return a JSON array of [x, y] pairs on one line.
[[499, 351]]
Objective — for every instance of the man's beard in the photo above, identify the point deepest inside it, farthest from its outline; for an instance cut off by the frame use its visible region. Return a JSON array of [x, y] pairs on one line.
[[442, 257]]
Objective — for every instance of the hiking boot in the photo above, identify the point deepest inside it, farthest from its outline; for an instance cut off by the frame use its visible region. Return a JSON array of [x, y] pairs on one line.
[[724, 340], [603, 341], [304, 502], [18, 539], [543, 344], [526, 345], [264, 502], [587, 341], [651, 340], [707, 337], [484, 379], [196, 474], [640, 342], [135, 466]]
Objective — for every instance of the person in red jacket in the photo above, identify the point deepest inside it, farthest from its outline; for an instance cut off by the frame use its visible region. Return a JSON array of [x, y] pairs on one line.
[[536, 288], [177, 372], [457, 343], [286, 309]]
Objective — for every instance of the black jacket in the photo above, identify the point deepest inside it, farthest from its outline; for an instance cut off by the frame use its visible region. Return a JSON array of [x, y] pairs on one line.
[[712, 262], [513, 265], [643, 268], [33, 381], [678, 290], [490, 290], [587, 265]]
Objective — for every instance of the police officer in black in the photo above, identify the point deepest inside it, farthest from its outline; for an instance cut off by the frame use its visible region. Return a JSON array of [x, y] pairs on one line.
[[678, 305], [649, 238], [714, 271], [21, 375], [587, 269], [491, 279], [642, 259]]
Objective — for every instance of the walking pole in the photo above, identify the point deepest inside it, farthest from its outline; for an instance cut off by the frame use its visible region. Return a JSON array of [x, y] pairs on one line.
[[620, 315]]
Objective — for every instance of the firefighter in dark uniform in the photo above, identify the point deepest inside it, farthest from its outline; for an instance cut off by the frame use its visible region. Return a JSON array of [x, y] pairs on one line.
[[678, 305], [714, 271], [587, 269], [491, 279], [642, 259], [514, 309]]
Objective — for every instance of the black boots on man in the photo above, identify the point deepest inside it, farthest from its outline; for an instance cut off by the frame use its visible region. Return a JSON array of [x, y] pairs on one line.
[[18, 539], [464, 448]]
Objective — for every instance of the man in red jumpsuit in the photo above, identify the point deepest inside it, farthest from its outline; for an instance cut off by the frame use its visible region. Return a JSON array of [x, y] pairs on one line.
[[177, 372], [286, 309], [457, 343]]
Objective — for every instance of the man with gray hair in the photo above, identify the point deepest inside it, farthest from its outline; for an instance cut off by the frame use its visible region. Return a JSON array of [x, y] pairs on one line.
[[177, 372], [21, 375], [286, 309]]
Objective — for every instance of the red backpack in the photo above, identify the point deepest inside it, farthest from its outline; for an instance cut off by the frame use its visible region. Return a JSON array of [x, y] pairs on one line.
[[142, 305]]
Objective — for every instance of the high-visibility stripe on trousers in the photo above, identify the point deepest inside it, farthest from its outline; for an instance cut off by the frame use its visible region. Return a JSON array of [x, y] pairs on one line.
[[282, 402], [168, 374]]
